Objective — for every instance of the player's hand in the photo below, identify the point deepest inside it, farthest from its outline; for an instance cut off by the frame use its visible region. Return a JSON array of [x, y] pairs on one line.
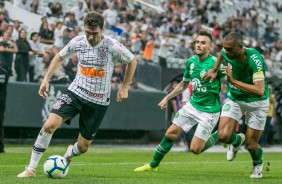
[[226, 70], [210, 74], [44, 89], [163, 103], [122, 94]]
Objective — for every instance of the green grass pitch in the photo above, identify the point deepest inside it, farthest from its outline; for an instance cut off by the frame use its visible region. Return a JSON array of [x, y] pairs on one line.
[[105, 164]]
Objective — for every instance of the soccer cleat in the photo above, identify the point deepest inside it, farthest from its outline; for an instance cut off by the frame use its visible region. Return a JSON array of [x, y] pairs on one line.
[[257, 171], [232, 151], [69, 149], [146, 167], [26, 173]]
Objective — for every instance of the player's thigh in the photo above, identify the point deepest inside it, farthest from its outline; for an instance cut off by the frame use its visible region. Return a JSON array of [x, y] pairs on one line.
[[256, 114], [206, 123], [90, 119], [185, 118]]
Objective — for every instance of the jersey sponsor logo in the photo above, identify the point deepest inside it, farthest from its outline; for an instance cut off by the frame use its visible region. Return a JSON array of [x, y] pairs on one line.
[[257, 61], [3, 79], [226, 107], [89, 93], [196, 83], [66, 98], [93, 72]]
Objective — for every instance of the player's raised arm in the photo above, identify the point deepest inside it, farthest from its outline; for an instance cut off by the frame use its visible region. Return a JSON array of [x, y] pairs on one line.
[[129, 72], [213, 72], [44, 87]]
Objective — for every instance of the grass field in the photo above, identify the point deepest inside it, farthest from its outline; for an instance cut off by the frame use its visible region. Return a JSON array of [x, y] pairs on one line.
[[115, 165]]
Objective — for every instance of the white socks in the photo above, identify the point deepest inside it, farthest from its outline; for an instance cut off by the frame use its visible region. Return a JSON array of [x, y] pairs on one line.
[[40, 145], [74, 151]]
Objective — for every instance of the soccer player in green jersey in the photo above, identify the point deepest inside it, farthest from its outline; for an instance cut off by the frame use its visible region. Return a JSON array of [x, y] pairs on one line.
[[247, 92], [202, 109]]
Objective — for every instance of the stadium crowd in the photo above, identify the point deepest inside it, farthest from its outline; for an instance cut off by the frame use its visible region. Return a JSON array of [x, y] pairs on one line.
[[160, 34]]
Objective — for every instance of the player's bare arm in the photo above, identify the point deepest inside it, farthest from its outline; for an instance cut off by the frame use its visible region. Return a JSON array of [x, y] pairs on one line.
[[129, 72], [44, 87], [176, 91], [256, 89], [212, 73]]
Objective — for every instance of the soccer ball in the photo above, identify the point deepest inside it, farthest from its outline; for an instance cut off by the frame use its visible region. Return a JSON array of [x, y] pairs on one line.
[[56, 167]]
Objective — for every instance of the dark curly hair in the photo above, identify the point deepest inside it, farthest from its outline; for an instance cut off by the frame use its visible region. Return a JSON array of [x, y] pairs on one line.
[[93, 19]]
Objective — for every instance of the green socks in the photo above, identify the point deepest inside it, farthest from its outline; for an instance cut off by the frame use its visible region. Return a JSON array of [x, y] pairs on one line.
[[235, 139], [163, 148], [257, 156], [211, 141]]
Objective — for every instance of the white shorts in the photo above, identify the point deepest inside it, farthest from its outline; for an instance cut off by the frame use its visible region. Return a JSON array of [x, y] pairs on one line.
[[189, 116], [256, 112]]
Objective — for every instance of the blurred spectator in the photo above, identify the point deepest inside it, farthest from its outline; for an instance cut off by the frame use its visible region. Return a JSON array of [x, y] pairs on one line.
[[136, 46], [46, 35], [264, 140], [182, 51], [79, 11], [15, 34], [58, 10], [35, 60], [164, 50], [49, 10], [71, 67], [22, 56], [25, 4], [147, 55], [70, 20], [110, 16], [58, 35], [66, 36], [117, 76], [7, 49], [34, 6], [3, 94], [6, 13]]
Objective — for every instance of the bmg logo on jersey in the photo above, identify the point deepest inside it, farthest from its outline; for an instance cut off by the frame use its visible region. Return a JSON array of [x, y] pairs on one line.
[[93, 72]]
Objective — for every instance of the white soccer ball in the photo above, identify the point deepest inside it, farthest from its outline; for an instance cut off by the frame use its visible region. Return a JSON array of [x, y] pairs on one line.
[[56, 167]]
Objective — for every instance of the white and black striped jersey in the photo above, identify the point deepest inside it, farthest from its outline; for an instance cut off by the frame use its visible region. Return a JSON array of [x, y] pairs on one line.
[[95, 67]]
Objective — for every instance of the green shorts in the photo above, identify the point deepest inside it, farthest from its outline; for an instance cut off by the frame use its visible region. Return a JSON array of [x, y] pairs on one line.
[[91, 115]]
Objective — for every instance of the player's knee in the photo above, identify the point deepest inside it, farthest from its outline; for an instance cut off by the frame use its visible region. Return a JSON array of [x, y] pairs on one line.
[[171, 135], [222, 137], [49, 128], [251, 146], [195, 150]]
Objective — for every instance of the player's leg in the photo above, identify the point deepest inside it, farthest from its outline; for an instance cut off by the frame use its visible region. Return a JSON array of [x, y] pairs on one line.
[[183, 121], [252, 138], [203, 139], [231, 113], [255, 119], [41, 143], [90, 119], [172, 133], [66, 107]]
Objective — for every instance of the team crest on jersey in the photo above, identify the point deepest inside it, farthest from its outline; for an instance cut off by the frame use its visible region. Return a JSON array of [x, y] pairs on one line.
[[103, 52], [191, 68], [202, 73]]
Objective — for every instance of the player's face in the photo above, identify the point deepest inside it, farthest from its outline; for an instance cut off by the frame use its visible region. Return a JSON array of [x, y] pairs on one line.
[[232, 51], [202, 45], [94, 35]]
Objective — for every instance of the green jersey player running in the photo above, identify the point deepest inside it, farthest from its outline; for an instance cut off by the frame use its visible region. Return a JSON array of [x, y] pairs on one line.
[[248, 92], [203, 108]]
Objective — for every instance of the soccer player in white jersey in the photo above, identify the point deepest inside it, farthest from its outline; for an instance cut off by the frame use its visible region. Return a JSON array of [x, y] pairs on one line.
[[247, 92], [89, 93]]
